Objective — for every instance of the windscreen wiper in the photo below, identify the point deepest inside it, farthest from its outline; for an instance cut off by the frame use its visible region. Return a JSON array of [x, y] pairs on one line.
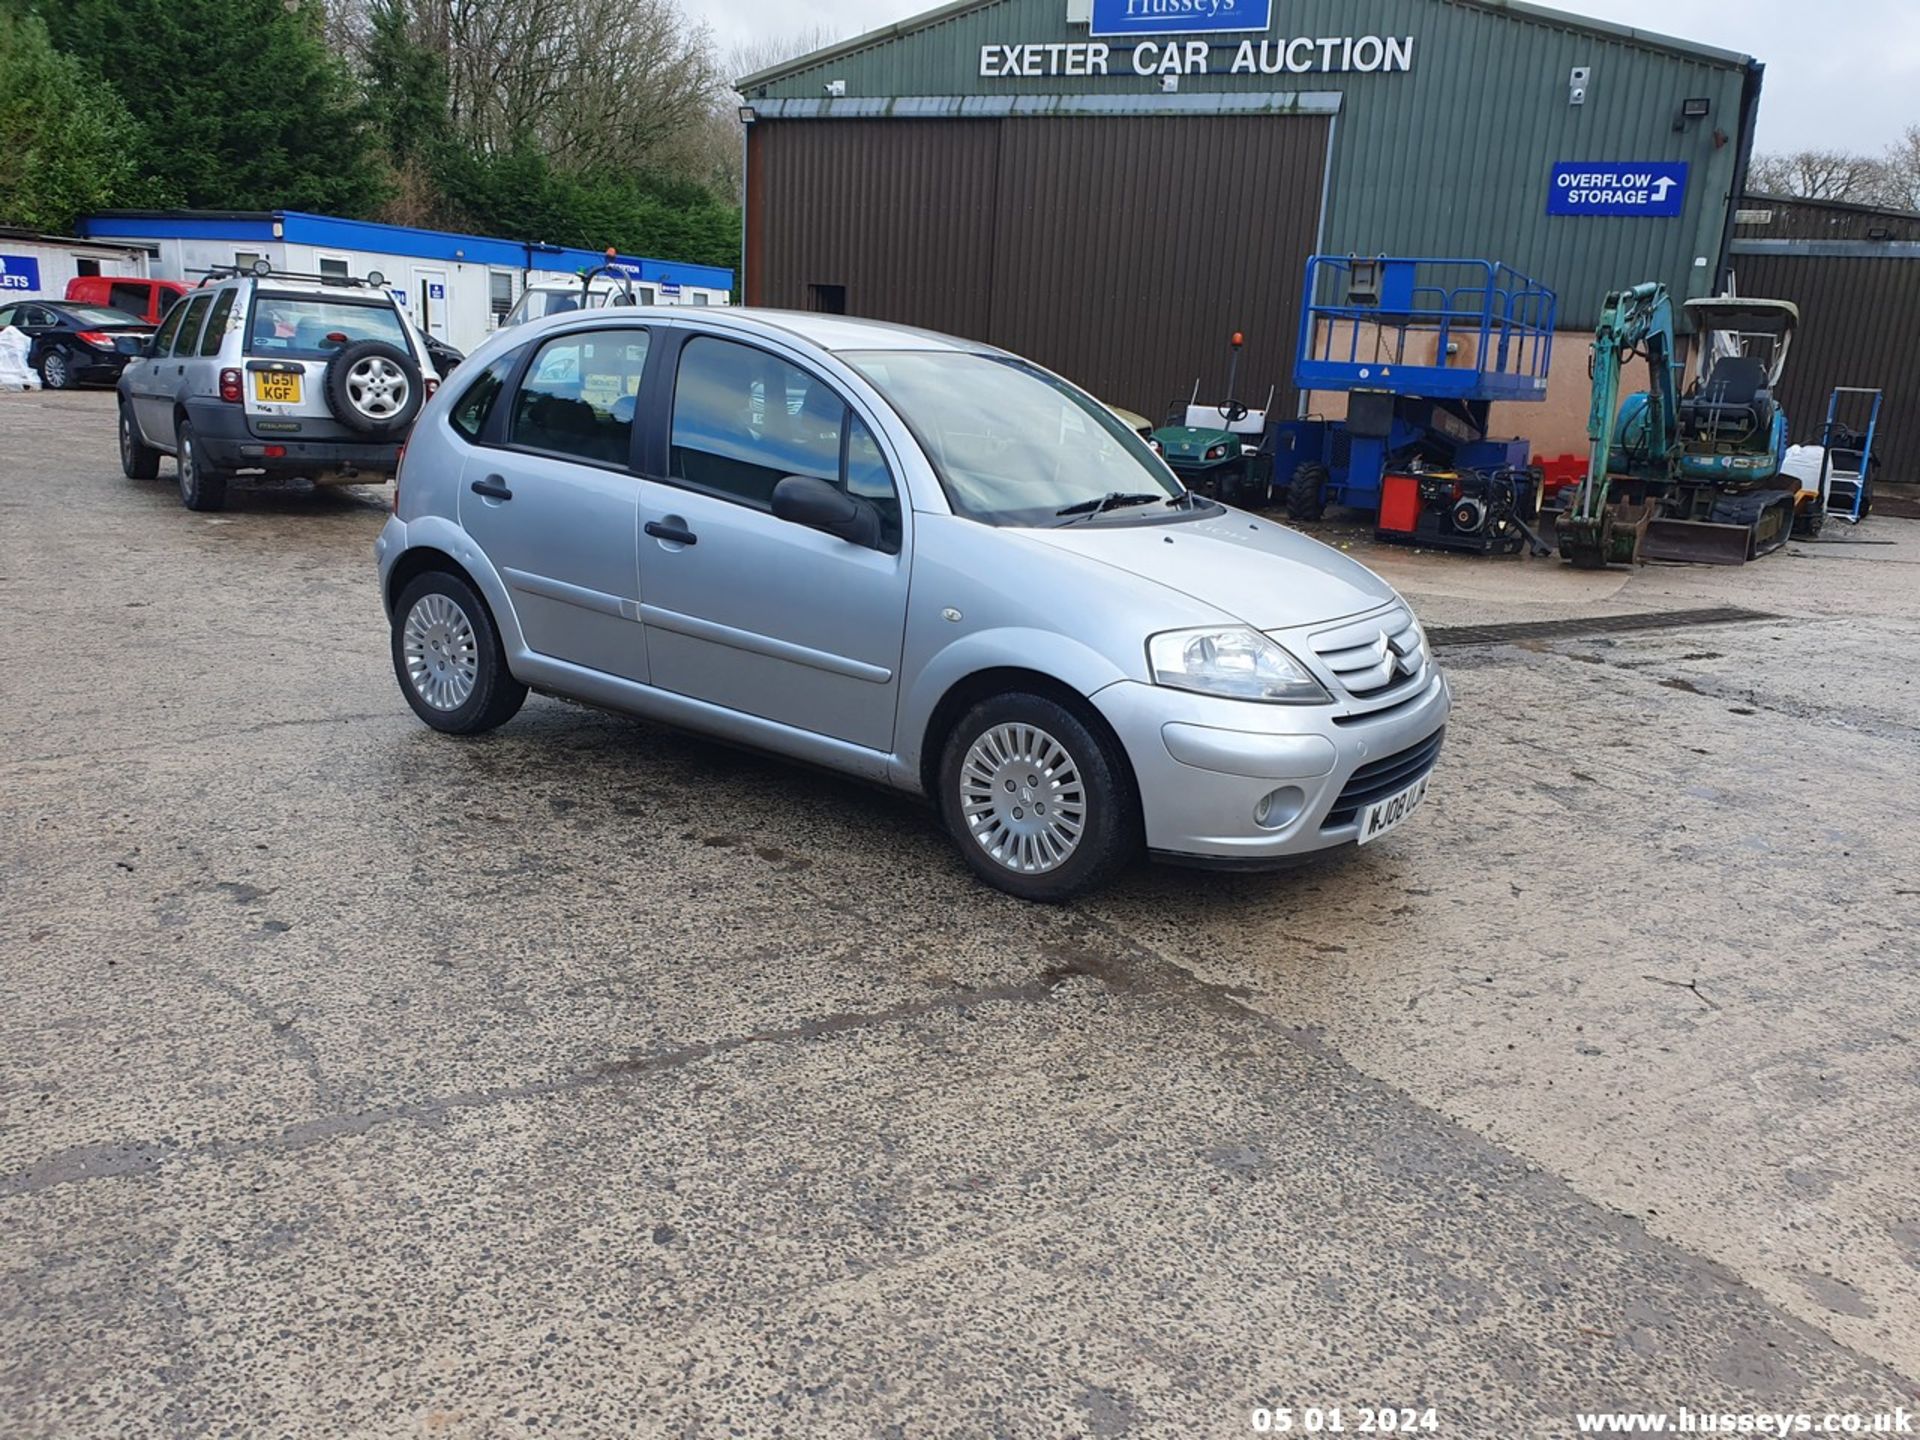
[[1112, 500]]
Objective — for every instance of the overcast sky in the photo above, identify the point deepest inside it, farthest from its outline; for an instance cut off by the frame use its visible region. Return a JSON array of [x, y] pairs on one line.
[[1841, 74]]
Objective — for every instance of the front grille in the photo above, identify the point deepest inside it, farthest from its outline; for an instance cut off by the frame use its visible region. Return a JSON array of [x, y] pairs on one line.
[[1379, 661], [1378, 779]]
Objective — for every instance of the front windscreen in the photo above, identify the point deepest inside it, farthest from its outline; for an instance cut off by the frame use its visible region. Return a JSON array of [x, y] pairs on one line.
[[312, 327], [1014, 445]]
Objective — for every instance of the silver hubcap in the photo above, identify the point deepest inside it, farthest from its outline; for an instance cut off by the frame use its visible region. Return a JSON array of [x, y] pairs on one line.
[[377, 387], [443, 657], [56, 368], [1021, 793], [186, 465]]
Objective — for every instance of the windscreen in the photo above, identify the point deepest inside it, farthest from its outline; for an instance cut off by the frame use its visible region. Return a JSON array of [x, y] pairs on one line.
[[311, 327], [1012, 444]]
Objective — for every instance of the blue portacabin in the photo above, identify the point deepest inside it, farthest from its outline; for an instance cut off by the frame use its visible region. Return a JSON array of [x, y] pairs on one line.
[[1652, 188], [19, 272], [1179, 17]]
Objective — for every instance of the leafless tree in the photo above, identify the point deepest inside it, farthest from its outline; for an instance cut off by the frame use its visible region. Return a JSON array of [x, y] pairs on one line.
[[1818, 175], [1900, 172]]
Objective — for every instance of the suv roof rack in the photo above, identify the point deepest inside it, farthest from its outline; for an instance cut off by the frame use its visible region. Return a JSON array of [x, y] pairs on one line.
[[261, 270]]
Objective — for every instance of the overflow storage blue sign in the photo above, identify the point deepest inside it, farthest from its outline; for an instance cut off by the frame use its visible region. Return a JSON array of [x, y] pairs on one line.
[[1179, 17], [1618, 187], [19, 272]]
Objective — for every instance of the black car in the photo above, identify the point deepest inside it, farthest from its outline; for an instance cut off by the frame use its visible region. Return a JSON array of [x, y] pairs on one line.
[[72, 343]]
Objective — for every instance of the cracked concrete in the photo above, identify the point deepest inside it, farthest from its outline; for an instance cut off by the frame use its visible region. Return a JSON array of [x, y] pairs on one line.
[[593, 1080]]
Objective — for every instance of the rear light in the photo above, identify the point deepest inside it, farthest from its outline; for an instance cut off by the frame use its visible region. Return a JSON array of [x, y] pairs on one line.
[[273, 452], [399, 464], [98, 339], [230, 386]]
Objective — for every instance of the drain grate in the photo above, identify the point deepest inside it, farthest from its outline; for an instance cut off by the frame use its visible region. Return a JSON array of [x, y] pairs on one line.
[[1454, 635]]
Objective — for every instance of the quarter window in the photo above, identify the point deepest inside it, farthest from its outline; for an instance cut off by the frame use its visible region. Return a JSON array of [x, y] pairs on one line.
[[217, 323], [744, 420], [579, 395], [184, 342], [470, 411], [131, 298]]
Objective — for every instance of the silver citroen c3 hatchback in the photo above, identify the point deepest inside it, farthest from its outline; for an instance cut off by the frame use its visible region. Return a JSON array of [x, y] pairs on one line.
[[912, 558]]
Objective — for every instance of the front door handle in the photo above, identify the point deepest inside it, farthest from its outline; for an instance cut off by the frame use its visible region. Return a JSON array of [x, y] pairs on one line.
[[492, 488], [670, 532]]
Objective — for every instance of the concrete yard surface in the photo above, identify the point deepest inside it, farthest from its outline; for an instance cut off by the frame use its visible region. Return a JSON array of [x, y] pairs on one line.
[[590, 1079]]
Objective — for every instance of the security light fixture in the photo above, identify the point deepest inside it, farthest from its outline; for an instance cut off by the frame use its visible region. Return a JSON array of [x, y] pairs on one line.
[[747, 116], [836, 89], [1577, 81], [1169, 83], [1696, 108]]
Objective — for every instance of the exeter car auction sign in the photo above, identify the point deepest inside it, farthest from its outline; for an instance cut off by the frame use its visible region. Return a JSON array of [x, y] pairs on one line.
[[1610, 187], [1301, 55]]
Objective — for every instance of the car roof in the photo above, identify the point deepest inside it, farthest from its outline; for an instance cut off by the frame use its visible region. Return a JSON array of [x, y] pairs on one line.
[[836, 332]]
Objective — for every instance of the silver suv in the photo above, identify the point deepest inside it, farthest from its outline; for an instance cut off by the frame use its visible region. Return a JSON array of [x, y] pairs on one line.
[[261, 373], [918, 560]]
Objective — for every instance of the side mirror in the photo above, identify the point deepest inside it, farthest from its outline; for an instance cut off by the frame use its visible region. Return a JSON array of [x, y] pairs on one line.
[[820, 505]]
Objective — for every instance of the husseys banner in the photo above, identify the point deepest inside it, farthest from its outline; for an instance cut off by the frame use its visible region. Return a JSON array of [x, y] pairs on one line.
[[1179, 17]]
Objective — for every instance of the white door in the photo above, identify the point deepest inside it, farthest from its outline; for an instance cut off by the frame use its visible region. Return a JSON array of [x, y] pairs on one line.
[[430, 301]]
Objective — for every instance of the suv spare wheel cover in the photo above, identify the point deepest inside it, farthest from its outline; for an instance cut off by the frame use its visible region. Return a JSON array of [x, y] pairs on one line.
[[373, 387]]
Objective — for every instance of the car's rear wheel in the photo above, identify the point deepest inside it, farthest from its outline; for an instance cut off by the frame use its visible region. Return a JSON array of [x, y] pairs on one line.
[[138, 459], [56, 369], [201, 488], [1039, 804], [448, 657]]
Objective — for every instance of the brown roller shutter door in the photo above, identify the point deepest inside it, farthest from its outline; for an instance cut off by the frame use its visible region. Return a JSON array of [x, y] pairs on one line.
[[1119, 251]]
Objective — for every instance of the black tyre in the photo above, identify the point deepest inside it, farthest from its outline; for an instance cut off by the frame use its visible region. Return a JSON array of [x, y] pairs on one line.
[[56, 369], [1040, 805], [1306, 492], [448, 657], [201, 488], [139, 460], [374, 387]]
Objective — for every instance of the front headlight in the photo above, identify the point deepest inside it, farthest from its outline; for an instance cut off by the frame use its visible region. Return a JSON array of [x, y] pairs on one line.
[[1216, 452], [1236, 662]]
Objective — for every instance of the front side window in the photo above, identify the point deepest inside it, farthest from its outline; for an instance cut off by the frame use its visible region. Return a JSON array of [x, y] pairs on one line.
[[744, 420], [1014, 445], [217, 323], [185, 341], [312, 327], [579, 394], [169, 327], [470, 411]]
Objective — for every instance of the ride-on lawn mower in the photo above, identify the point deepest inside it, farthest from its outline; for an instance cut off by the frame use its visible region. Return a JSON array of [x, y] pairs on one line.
[[1421, 348], [1220, 450]]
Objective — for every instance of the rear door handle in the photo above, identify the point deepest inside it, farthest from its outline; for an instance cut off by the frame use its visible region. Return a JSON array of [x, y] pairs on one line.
[[675, 534], [492, 488]]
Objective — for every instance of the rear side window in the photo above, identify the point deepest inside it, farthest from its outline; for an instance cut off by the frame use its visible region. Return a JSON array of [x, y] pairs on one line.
[[579, 395], [217, 324], [470, 411], [312, 327], [163, 340], [190, 327]]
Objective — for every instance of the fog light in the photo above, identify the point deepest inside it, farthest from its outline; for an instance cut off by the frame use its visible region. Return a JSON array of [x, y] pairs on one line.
[[1279, 808]]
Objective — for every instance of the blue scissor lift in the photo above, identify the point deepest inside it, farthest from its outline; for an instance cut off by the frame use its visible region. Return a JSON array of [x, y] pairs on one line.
[[1421, 347]]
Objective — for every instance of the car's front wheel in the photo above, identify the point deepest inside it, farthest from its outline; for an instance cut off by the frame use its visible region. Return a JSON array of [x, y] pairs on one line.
[[448, 657], [1040, 805], [201, 488], [139, 460]]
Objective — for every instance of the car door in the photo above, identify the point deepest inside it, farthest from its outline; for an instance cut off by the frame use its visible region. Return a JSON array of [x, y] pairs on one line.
[[746, 610], [548, 492], [153, 406]]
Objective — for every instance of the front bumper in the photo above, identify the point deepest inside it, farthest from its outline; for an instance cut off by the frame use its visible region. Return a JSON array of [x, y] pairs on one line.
[[1204, 765]]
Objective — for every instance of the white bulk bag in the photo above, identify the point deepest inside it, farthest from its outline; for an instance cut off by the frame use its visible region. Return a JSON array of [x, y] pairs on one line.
[[15, 373]]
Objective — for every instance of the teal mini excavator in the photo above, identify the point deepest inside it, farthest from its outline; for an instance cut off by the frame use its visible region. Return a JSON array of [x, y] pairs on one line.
[[1684, 477]]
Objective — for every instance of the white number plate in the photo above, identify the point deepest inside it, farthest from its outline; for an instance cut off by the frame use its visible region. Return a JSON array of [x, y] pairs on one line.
[[1381, 816]]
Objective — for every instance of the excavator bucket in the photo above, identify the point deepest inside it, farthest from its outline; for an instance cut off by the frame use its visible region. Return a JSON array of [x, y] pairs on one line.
[[1613, 537]]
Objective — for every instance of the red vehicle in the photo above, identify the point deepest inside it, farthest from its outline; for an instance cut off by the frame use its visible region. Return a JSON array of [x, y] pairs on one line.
[[148, 299]]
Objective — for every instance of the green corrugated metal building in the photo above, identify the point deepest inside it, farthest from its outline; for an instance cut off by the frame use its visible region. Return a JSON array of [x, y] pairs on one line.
[[1090, 183]]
